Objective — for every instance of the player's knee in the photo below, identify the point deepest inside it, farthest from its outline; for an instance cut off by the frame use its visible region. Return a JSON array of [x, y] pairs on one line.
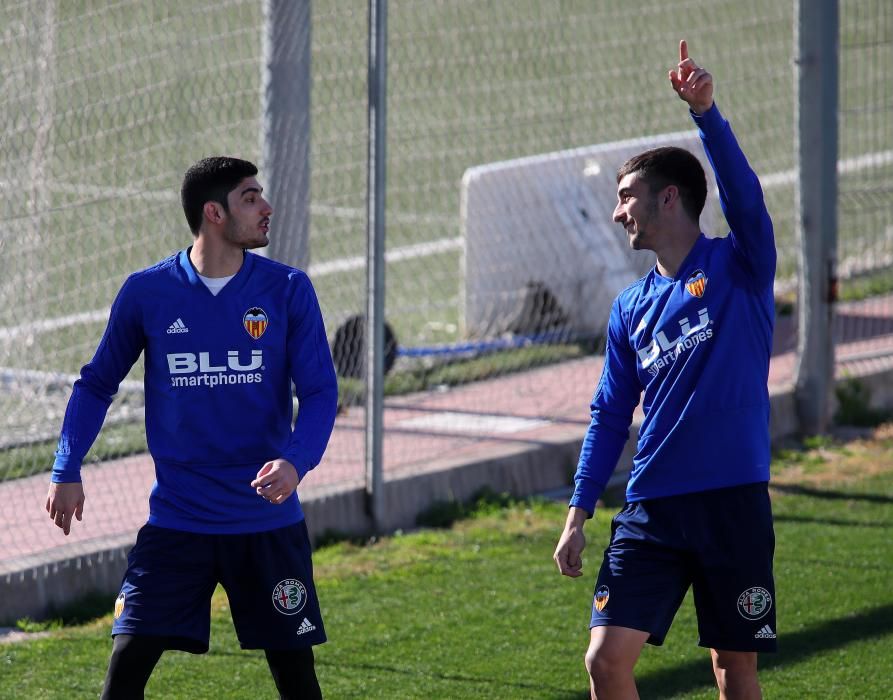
[[605, 662], [130, 665], [736, 674], [735, 662], [294, 674], [590, 660]]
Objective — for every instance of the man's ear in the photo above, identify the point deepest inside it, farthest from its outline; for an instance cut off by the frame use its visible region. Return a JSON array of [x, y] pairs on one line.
[[669, 195], [213, 212]]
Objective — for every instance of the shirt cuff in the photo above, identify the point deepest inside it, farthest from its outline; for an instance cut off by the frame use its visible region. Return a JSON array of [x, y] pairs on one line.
[[711, 119], [66, 470], [584, 498], [301, 466]]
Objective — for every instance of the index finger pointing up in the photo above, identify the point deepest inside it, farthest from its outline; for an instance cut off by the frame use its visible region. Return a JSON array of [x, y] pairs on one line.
[[683, 50]]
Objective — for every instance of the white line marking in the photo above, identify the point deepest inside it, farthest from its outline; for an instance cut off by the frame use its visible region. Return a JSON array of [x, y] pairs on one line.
[[399, 217], [101, 192], [844, 167], [409, 252], [52, 324], [786, 177], [11, 376], [472, 423]]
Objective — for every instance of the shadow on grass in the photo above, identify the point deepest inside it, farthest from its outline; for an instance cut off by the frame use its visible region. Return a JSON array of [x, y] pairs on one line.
[[806, 520], [793, 648], [828, 494], [538, 690], [691, 676], [695, 675]]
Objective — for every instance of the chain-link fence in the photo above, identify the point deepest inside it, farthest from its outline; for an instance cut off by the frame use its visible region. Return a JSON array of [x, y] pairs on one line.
[[505, 120], [865, 178]]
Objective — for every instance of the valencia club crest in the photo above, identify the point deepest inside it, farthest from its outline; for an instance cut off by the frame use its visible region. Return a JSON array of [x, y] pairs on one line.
[[255, 321], [696, 283], [602, 593]]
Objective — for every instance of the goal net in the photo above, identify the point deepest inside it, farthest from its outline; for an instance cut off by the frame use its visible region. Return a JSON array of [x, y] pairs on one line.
[[546, 222]]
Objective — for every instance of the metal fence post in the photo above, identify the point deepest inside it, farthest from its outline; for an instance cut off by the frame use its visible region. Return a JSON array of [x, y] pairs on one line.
[[285, 150], [375, 271], [816, 29]]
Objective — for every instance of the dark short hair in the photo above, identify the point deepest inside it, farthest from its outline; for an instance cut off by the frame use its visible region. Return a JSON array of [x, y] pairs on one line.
[[211, 180], [669, 165]]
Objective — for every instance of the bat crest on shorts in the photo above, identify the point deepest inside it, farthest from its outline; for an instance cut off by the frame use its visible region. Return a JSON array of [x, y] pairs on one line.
[[602, 593]]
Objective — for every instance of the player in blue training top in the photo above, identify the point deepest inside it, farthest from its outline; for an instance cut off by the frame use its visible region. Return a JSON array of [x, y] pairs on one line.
[[693, 339], [224, 335]]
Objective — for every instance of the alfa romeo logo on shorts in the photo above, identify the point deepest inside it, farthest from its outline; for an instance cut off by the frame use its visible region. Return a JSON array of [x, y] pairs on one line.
[[289, 596], [754, 603]]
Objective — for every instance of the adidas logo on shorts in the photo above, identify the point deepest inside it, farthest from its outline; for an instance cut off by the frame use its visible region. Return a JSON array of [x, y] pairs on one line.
[[765, 633], [307, 626]]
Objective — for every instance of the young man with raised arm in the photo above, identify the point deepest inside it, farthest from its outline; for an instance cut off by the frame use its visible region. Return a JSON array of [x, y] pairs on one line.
[[692, 338]]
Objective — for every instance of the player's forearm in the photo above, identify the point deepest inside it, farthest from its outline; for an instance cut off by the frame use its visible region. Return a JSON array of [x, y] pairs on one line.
[[120, 347], [83, 420], [576, 518], [313, 428], [601, 449], [739, 187], [741, 196], [586, 493]]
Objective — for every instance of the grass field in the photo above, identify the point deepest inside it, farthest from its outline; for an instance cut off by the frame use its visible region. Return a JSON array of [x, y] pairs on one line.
[[478, 610]]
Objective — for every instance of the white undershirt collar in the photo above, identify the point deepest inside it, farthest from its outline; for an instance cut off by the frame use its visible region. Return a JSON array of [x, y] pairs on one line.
[[215, 284]]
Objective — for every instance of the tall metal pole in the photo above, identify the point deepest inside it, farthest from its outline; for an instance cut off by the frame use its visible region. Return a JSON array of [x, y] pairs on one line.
[[42, 82], [285, 151], [375, 271], [816, 38]]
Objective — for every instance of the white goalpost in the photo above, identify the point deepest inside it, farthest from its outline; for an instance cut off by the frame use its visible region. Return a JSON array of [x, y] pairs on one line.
[[547, 220]]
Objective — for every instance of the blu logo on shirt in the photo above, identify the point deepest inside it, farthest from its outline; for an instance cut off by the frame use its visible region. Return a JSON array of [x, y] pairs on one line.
[[689, 336], [204, 372], [184, 362]]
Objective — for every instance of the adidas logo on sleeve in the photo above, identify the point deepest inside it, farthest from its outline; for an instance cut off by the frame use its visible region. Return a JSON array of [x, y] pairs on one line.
[[177, 327]]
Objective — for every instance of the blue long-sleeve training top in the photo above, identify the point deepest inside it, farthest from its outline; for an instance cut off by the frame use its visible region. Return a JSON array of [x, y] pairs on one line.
[[696, 348], [218, 402]]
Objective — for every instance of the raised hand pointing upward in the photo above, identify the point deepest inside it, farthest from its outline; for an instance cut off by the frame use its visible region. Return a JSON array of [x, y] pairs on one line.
[[692, 83], [661, 194]]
